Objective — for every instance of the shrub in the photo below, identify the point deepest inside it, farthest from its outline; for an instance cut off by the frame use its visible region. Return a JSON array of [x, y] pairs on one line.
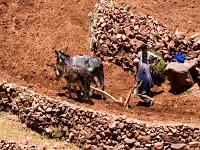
[[158, 69], [57, 133]]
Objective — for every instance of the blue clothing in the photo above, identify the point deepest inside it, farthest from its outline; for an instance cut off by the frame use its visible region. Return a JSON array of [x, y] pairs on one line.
[[179, 57], [144, 75]]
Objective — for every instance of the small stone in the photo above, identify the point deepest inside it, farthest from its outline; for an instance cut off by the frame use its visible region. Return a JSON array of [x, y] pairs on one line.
[[121, 125], [158, 146], [194, 144], [56, 146], [112, 125], [129, 141], [178, 146]]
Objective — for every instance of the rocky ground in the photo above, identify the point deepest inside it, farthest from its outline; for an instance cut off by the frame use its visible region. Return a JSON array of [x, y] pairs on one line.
[[31, 30], [90, 129], [13, 145]]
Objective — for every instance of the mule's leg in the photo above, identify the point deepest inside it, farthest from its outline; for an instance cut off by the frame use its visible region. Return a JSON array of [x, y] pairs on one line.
[[86, 90], [69, 89], [78, 94], [100, 78]]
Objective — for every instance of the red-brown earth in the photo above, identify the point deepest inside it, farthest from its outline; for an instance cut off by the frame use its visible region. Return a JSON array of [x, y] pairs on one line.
[[31, 29]]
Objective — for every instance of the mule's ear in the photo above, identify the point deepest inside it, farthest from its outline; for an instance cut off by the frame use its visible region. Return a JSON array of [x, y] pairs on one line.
[[56, 52], [62, 51], [51, 65]]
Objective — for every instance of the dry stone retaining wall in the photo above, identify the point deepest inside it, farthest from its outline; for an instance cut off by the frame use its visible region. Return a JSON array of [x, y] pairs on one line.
[[12, 145], [90, 129]]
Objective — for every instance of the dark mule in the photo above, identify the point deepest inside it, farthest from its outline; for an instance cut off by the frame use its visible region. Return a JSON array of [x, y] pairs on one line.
[[93, 64], [75, 77]]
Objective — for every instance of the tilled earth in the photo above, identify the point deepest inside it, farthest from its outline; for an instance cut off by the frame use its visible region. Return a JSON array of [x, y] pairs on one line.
[[31, 30]]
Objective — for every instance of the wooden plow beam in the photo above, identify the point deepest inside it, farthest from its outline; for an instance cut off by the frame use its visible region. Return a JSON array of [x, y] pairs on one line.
[[104, 92], [125, 103]]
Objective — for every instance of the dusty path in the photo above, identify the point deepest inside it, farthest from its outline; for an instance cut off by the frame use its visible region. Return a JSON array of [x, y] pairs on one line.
[[31, 30]]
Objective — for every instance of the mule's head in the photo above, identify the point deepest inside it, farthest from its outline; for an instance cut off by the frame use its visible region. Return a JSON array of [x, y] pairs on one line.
[[61, 57], [58, 70]]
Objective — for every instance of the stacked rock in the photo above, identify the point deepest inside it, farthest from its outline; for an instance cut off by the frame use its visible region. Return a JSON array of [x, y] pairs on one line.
[[11, 145], [90, 129], [116, 33]]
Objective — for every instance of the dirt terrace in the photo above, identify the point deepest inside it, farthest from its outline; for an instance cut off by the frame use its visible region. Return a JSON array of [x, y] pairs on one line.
[[30, 30]]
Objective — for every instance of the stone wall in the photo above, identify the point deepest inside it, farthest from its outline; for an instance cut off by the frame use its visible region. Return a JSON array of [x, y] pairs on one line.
[[116, 33], [90, 129], [11, 145]]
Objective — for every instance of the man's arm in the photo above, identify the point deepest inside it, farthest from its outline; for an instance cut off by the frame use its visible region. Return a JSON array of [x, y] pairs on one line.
[[139, 56], [154, 56]]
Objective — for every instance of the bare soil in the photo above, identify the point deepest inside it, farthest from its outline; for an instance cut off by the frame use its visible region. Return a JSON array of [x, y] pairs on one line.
[[30, 30]]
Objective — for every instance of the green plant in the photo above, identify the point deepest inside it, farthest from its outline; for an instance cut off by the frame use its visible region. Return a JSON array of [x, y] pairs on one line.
[[158, 69], [1, 109], [57, 133], [27, 97], [91, 19]]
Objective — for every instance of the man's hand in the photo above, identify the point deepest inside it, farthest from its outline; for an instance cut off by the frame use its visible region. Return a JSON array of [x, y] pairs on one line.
[[139, 83], [157, 61], [135, 77]]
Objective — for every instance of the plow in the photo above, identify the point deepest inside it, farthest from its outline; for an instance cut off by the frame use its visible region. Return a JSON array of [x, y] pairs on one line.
[[132, 92]]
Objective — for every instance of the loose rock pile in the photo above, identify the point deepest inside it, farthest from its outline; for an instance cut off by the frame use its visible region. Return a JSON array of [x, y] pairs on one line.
[[116, 33], [11, 145], [90, 129]]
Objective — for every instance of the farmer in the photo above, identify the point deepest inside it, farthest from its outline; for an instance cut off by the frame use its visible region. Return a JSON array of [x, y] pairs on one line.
[[147, 57], [143, 64], [145, 82]]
